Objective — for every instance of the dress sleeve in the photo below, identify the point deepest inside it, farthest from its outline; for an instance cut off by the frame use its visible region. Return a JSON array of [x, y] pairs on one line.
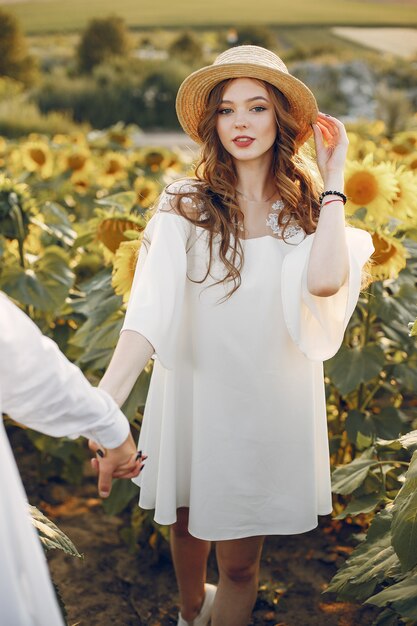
[[156, 302], [317, 324]]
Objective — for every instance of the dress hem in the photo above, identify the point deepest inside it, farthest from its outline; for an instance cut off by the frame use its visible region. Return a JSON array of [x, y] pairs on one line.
[[267, 531]]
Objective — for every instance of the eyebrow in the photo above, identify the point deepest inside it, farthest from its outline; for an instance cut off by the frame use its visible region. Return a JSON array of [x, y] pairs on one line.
[[248, 100]]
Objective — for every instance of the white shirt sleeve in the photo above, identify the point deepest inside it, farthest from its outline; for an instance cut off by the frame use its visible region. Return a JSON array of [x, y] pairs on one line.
[[317, 324], [41, 389]]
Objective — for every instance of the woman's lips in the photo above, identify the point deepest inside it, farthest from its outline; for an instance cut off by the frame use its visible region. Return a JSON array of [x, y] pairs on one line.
[[243, 143]]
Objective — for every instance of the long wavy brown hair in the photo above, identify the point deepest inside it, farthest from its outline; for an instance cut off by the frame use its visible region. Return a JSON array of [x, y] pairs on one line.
[[292, 168]]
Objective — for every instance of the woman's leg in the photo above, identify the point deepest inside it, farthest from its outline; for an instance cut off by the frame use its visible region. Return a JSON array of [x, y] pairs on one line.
[[238, 563], [189, 555]]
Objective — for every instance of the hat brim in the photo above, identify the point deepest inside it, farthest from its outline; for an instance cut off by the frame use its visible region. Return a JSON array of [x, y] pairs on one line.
[[194, 91]]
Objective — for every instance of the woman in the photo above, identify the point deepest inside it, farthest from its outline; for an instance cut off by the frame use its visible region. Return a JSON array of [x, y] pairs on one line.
[[245, 283]]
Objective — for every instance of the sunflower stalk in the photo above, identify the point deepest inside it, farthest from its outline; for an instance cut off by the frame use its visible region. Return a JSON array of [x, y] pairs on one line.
[[16, 214]]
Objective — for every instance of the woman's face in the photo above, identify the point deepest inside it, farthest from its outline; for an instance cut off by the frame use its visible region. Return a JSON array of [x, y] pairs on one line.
[[246, 120]]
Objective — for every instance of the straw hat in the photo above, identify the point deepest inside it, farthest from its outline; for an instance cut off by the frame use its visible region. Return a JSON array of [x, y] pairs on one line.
[[244, 62]]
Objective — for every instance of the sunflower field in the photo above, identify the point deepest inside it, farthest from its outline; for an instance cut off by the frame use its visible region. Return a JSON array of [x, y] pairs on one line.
[[72, 211]]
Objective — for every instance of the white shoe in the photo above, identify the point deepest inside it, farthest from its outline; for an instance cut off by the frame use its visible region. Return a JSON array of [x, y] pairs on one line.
[[203, 617]]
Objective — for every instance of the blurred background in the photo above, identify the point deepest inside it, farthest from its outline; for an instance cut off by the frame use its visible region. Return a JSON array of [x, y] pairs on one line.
[[65, 63]]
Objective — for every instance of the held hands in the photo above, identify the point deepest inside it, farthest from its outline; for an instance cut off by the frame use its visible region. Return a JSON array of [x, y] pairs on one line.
[[121, 462], [331, 157]]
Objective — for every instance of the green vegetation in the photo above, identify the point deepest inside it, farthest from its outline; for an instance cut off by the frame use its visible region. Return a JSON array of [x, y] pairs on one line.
[[56, 16], [102, 39], [15, 60]]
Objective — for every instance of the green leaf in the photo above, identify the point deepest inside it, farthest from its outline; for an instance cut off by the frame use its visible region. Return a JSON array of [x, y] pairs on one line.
[[398, 308], [388, 424], [50, 535], [96, 318], [351, 367], [369, 564], [45, 284], [404, 524], [347, 478], [387, 618], [122, 492], [402, 597], [102, 343], [365, 504], [123, 201], [406, 375], [409, 441], [56, 223], [388, 444], [137, 396]]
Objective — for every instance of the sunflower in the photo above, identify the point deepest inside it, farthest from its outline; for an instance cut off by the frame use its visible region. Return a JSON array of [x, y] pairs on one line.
[[80, 182], [153, 159], [124, 267], [146, 191], [120, 134], [78, 138], [37, 157], [411, 162], [114, 168], [389, 257], [404, 144], [112, 228], [76, 159], [404, 206], [372, 186]]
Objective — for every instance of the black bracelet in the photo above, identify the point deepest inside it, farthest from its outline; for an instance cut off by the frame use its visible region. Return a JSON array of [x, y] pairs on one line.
[[332, 193]]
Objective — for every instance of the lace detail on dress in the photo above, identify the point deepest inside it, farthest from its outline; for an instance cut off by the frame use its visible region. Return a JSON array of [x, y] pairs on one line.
[[167, 199], [272, 221]]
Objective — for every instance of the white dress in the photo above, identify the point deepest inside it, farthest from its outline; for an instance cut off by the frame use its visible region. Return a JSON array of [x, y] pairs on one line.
[[41, 389], [235, 421]]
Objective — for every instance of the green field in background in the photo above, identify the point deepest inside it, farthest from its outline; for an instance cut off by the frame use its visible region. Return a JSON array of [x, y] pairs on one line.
[[60, 15]]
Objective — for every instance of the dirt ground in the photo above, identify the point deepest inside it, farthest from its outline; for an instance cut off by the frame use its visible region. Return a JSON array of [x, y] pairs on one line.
[[114, 586]]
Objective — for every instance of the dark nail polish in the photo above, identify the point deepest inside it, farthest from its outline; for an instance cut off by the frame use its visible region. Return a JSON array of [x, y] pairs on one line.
[[142, 467], [138, 456], [100, 453]]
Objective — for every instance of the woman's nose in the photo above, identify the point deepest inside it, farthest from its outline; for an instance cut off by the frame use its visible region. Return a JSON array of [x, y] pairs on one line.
[[241, 123]]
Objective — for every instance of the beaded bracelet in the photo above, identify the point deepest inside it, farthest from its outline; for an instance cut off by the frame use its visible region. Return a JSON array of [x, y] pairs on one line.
[[333, 193]]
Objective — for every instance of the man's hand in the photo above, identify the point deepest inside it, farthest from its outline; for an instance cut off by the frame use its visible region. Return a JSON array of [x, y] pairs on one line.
[[121, 462]]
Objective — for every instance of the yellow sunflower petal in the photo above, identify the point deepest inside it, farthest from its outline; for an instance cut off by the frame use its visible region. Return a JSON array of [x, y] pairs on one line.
[[389, 257], [124, 267], [370, 185]]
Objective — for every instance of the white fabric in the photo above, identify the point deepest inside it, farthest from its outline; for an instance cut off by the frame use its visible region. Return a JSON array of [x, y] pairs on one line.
[[41, 389], [235, 421]]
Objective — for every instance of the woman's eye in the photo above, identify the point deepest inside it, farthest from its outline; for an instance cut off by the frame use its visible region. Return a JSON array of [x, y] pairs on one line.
[[259, 108], [221, 111]]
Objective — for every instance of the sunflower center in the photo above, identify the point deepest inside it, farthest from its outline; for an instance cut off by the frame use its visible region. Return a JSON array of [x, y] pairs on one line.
[[38, 156], [362, 188], [384, 250], [113, 167], [76, 162]]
